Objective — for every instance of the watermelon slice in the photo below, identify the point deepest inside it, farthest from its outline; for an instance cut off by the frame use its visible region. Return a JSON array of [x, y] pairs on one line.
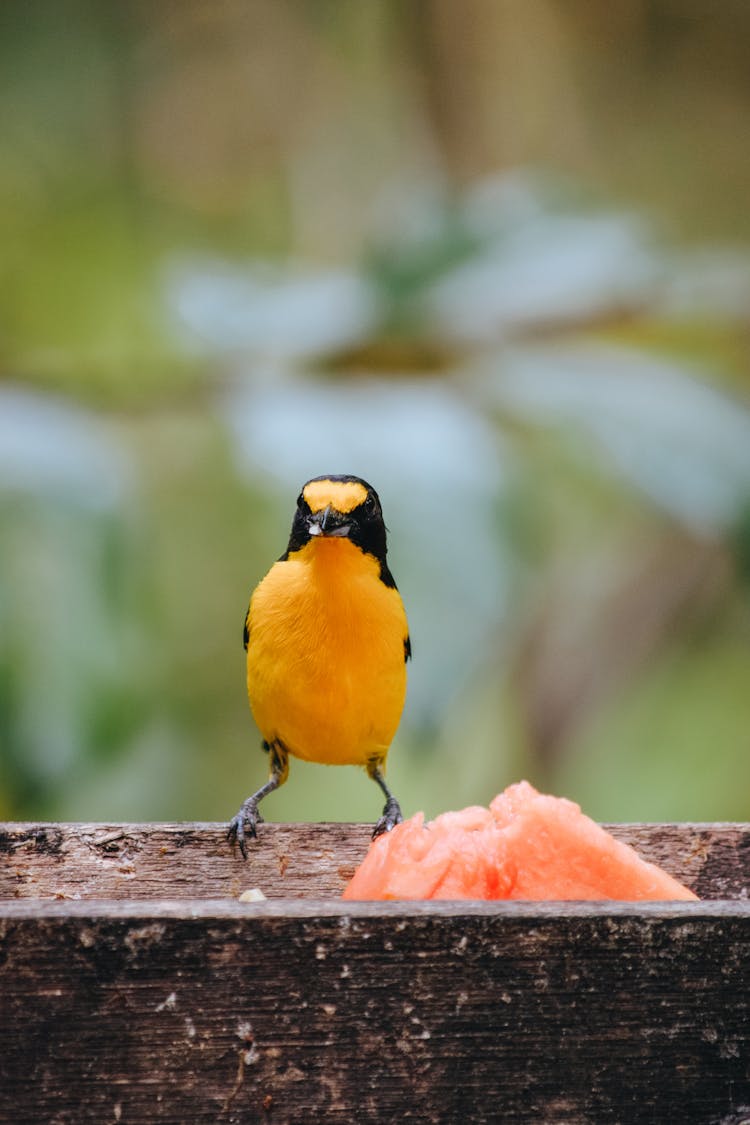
[[525, 846]]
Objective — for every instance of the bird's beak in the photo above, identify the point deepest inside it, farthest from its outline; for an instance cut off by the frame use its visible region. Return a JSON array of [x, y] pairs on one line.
[[329, 522]]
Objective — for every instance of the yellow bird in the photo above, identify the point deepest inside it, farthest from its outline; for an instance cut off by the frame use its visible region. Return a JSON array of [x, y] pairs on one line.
[[327, 642]]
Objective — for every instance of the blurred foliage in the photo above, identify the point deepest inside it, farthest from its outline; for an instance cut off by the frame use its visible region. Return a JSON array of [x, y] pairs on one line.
[[492, 257]]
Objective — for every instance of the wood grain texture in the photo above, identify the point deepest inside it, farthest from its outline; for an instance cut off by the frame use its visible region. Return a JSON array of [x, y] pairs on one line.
[[148, 861], [135, 988], [305, 1012]]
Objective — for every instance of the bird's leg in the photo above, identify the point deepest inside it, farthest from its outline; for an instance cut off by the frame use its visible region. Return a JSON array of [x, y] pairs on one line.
[[247, 819], [391, 810]]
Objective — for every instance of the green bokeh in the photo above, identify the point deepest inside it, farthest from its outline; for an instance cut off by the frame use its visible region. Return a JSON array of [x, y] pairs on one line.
[[246, 150]]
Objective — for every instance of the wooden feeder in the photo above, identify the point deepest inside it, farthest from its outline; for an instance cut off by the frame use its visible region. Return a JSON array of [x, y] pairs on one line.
[[136, 987]]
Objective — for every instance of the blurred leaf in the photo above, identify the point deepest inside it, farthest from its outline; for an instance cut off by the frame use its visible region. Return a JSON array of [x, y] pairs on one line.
[[740, 542]]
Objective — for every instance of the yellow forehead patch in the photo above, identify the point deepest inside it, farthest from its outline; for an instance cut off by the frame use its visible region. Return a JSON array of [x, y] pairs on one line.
[[344, 496]]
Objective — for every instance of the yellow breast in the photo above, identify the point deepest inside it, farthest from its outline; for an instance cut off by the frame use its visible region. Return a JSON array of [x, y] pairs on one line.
[[326, 672]]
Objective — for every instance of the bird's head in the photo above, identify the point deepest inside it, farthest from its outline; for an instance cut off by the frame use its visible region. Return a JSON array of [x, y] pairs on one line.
[[339, 507]]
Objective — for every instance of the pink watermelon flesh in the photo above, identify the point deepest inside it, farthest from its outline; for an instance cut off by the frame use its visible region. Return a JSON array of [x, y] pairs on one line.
[[525, 846]]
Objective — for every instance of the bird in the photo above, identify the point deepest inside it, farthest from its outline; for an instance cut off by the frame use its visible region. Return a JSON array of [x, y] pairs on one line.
[[327, 642]]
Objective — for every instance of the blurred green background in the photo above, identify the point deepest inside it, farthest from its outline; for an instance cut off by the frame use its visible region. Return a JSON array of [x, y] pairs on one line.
[[494, 257]]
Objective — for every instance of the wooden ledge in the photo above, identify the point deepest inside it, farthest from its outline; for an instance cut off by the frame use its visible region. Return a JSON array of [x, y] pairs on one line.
[[136, 988], [126, 911], [313, 861]]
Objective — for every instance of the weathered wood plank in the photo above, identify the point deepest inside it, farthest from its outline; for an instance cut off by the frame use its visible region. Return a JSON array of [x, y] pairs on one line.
[[149, 861], [172, 1003], [340, 1012]]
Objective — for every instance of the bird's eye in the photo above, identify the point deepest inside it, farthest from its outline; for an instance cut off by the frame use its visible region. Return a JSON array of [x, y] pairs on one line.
[[370, 505]]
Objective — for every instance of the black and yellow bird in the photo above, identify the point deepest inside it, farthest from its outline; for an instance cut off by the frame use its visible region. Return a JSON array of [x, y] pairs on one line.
[[327, 643]]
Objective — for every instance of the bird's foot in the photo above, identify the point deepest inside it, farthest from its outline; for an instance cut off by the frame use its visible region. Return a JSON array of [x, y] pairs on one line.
[[390, 818], [245, 825]]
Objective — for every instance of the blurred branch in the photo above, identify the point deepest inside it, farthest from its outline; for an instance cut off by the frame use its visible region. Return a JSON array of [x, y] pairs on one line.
[[568, 665]]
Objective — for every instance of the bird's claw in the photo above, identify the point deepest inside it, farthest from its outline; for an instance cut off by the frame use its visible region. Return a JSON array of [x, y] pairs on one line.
[[244, 825], [390, 818]]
